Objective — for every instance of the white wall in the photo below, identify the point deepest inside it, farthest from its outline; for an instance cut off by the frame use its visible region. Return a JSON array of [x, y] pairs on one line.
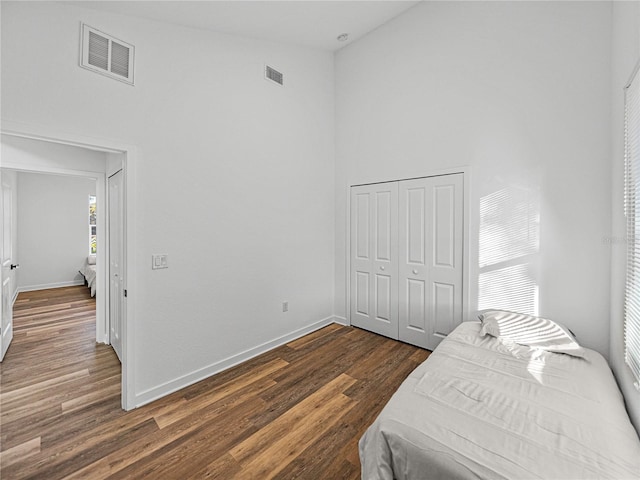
[[53, 229], [234, 176], [520, 93], [626, 54]]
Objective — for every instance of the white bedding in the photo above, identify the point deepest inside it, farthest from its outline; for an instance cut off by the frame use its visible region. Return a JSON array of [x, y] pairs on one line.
[[479, 409], [89, 272]]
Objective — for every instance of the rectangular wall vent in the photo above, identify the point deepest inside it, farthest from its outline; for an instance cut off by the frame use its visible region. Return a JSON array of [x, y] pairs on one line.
[[105, 54], [272, 74]]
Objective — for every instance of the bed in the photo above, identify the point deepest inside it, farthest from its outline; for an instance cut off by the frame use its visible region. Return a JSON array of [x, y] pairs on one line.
[[483, 407], [88, 271]]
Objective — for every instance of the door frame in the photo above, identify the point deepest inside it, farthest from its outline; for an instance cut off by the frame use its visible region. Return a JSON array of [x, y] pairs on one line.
[[108, 262], [129, 155], [466, 218]]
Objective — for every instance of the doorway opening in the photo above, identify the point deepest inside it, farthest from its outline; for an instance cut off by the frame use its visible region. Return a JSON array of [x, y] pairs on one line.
[[104, 160]]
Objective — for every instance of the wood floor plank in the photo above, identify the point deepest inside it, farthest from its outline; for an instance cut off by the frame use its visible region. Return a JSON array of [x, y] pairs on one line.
[[295, 412], [148, 456], [313, 337], [20, 452], [96, 395], [32, 389], [224, 391], [79, 454], [280, 453], [50, 422], [292, 418], [223, 467]]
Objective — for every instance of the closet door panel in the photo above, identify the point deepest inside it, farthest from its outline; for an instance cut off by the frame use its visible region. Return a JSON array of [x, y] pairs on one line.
[[362, 231], [444, 300], [444, 225], [383, 219], [416, 318], [430, 268], [362, 293], [445, 269], [374, 239], [383, 297], [412, 269], [415, 225]]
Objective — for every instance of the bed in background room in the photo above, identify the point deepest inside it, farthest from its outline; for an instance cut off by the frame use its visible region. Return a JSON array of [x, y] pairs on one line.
[[484, 406], [88, 270]]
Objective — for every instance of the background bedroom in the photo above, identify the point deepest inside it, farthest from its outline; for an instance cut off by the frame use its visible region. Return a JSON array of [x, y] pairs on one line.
[[54, 231]]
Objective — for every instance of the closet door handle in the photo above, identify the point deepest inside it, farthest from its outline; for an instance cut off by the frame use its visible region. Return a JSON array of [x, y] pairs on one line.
[[415, 272], [381, 267], [14, 266]]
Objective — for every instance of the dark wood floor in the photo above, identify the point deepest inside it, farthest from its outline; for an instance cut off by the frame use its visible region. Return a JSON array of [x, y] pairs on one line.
[[296, 412]]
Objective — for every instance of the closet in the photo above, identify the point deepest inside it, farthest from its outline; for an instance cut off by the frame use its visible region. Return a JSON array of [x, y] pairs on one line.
[[406, 258]]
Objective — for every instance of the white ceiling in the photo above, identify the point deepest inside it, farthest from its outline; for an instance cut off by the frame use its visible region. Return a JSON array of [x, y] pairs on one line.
[[308, 23]]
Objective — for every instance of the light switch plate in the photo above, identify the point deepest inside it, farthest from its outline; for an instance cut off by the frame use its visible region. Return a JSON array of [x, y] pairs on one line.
[[159, 261]]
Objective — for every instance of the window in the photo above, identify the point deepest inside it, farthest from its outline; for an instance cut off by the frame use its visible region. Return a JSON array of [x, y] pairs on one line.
[[92, 225], [632, 212]]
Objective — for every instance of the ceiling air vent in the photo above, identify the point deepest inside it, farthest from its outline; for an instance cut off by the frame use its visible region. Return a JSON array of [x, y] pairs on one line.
[[272, 74], [107, 55]]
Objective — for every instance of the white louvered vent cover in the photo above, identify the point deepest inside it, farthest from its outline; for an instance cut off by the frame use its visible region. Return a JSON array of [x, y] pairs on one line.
[[107, 55], [272, 74]]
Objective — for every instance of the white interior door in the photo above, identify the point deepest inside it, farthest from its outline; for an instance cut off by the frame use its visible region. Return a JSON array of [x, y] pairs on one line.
[[374, 265], [6, 277], [116, 277], [430, 258]]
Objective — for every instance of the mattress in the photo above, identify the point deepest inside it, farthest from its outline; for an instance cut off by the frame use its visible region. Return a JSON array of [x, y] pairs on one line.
[[89, 272], [477, 408]]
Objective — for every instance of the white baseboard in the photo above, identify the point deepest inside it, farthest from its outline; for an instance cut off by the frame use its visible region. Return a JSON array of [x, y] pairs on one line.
[[46, 286], [340, 320], [155, 393]]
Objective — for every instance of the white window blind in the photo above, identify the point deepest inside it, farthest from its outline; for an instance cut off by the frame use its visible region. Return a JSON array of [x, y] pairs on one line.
[[632, 212]]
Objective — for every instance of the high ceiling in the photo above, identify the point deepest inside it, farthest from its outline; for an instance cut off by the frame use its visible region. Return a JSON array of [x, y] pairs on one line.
[[311, 23]]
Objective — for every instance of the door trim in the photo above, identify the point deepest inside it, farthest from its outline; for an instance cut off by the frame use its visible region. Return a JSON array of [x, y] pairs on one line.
[[466, 244], [117, 345], [129, 152]]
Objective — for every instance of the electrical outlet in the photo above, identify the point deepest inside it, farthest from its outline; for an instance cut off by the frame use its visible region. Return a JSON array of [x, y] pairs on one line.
[[285, 306]]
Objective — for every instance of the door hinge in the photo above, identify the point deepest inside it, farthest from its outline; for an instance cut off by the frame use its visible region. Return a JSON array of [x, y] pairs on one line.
[[125, 292]]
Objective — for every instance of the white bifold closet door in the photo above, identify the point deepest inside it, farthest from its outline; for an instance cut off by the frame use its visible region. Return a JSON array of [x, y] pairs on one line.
[[406, 258], [374, 259]]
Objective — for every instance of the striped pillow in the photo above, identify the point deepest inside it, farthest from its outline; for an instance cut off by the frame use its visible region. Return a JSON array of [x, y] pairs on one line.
[[535, 332]]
